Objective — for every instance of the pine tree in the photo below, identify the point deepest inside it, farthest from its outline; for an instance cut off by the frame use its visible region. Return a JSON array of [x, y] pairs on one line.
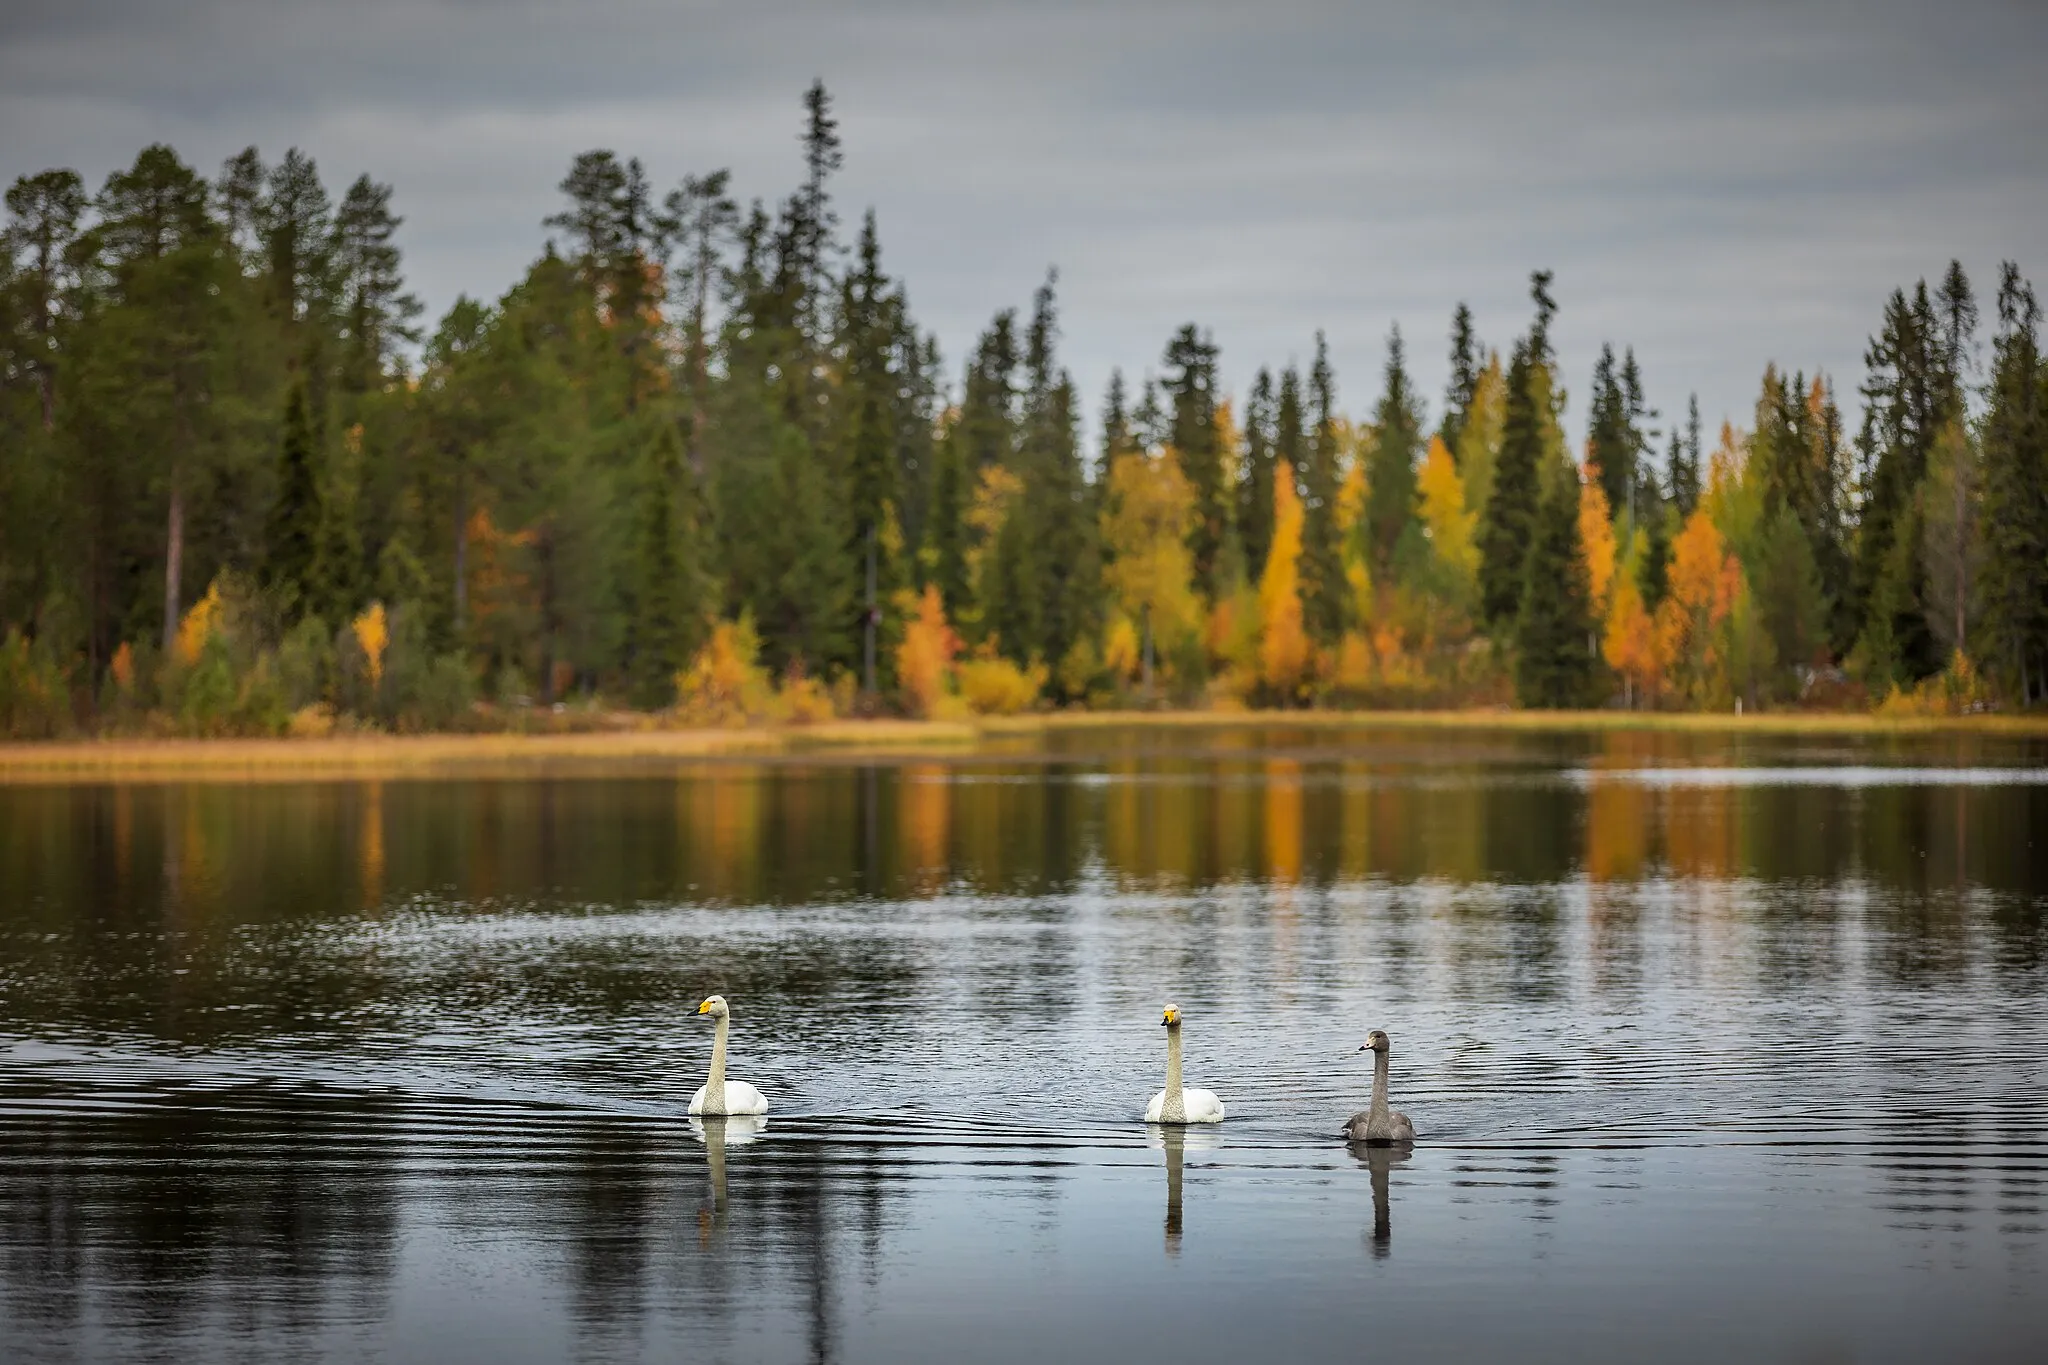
[[1685, 462], [1397, 440], [295, 515], [1508, 524], [1610, 436], [666, 596], [1468, 362], [1190, 363], [868, 347], [376, 313], [1556, 640], [37, 250], [1255, 491], [2015, 504], [1325, 592]]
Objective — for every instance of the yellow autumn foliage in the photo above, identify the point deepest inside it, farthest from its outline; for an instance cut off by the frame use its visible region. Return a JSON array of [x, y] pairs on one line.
[[198, 627], [994, 686], [1453, 530], [924, 659], [1145, 532], [725, 683], [373, 634], [1596, 533]]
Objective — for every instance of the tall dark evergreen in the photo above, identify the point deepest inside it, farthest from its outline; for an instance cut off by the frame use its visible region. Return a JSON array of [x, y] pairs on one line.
[[1325, 592], [1255, 490], [2015, 511], [295, 513], [1684, 474], [1190, 384], [1468, 362], [1391, 502], [1508, 525], [1557, 660]]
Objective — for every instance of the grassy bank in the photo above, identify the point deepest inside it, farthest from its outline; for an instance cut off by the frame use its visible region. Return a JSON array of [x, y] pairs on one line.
[[511, 754]]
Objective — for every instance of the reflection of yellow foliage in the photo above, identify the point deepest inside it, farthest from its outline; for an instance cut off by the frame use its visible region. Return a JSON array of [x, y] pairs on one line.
[[923, 820], [1596, 533], [198, 626], [1283, 641], [1283, 820], [373, 633], [924, 659], [725, 684], [1617, 829], [994, 686]]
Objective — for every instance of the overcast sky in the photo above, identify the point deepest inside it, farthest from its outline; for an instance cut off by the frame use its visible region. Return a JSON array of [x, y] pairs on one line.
[[1717, 184]]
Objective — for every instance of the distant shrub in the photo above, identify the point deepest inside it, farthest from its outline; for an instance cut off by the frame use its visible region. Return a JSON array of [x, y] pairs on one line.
[[994, 686], [34, 696], [725, 683]]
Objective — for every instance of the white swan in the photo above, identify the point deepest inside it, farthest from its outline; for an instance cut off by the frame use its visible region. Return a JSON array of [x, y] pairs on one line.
[[719, 1095], [1379, 1125], [1173, 1104]]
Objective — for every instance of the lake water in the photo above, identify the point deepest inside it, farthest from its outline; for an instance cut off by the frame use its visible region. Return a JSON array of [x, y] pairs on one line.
[[1718, 1049]]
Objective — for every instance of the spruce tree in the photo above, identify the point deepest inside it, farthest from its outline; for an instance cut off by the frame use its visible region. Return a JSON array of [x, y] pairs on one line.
[[1685, 462], [1390, 480], [293, 537], [1557, 659], [1325, 592], [1190, 362], [1255, 492], [2015, 513], [666, 597], [1508, 524], [1610, 434], [1468, 362]]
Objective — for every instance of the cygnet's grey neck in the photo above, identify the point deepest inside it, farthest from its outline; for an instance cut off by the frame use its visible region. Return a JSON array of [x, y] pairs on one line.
[[714, 1089], [1376, 1117], [1174, 1108]]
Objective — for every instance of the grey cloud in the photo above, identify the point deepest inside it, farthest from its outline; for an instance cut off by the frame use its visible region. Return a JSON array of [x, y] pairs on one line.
[[1719, 185]]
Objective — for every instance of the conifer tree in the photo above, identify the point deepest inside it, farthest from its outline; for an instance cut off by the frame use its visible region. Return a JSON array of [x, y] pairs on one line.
[[295, 515], [1508, 524], [1397, 439], [1468, 362], [1556, 644], [376, 313], [1255, 491], [666, 595], [2015, 509], [1325, 593], [37, 250], [1190, 383]]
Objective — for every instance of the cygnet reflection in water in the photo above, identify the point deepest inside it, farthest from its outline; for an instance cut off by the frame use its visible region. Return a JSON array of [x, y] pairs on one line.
[[717, 1134], [1380, 1158], [1176, 1141]]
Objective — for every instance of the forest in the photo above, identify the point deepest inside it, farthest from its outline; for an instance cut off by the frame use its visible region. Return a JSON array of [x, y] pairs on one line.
[[700, 464]]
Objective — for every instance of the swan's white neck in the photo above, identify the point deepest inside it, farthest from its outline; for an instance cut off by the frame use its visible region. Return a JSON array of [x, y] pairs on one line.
[[1376, 1117], [1174, 1109], [714, 1089]]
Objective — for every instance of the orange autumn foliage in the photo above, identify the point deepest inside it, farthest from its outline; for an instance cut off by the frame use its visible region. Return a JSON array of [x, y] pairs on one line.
[[373, 633], [1629, 642], [1705, 583], [924, 659]]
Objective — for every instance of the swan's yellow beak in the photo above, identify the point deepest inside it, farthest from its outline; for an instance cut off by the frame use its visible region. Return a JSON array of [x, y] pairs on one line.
[[704, 1008], [1171, 1018]]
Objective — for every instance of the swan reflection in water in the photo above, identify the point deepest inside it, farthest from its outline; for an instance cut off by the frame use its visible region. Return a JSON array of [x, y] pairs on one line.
[[1379, 1158], [717, 1134], [1176, 1141]]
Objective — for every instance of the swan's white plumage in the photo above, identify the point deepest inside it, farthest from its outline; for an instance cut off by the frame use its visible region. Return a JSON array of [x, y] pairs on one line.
[[1201, 1106], [740, 1098]]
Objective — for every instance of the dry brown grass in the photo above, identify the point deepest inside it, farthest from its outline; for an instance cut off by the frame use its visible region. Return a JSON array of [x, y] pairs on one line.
[[484, 755]]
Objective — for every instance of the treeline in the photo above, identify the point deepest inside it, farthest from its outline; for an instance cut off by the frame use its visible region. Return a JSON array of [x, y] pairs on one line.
[[700, 459]]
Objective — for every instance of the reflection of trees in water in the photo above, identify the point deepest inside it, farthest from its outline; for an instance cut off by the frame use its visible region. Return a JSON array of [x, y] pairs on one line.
[[250, 1215]]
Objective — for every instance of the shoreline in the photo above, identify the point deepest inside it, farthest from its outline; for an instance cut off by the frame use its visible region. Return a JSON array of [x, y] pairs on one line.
[[509, 754]]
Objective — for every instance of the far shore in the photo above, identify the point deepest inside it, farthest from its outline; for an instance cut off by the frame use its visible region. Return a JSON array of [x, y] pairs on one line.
[[511, 753]]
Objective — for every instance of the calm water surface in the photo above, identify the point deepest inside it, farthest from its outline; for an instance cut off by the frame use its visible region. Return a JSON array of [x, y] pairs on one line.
[[1718, 1048]]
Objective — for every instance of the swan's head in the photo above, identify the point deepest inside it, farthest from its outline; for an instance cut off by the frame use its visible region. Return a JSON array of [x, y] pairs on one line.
[[1171, 1018], [715, 1007], [1376, 1041]]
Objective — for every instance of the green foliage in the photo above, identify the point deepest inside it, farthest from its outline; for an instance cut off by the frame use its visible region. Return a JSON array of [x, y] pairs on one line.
[[1557, 661]]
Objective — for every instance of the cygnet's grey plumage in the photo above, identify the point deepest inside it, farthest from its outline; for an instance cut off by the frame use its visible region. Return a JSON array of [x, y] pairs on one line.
[[1378, 1124]]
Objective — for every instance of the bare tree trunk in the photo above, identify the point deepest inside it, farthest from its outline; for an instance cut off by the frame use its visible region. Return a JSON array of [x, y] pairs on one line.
[[174, 561]]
